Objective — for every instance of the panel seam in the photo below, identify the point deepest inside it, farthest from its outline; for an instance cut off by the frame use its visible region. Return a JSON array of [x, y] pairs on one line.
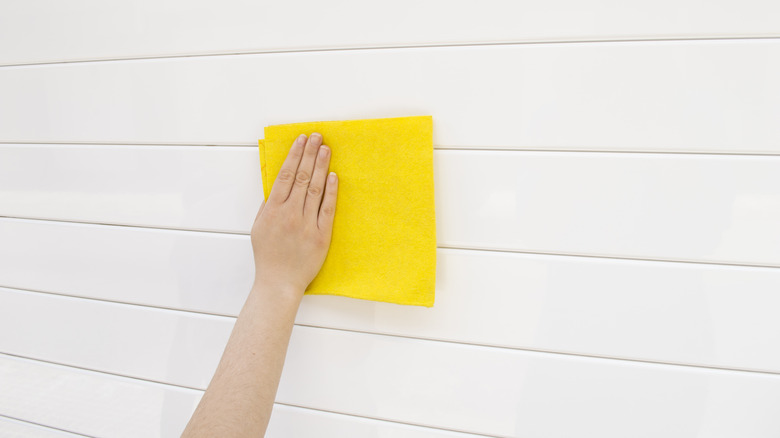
[[540, 351], [57, 364], [391, 421], [455, 148], [439, 246], [396, 47], [21, 420]]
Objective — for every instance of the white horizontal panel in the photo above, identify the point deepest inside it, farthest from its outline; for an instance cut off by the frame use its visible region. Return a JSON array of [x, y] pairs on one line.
[[472, 389], [666, 312], [578, 305], [710, 208], [659, 96], [520, 394], [89, 29], [180, 187], [91, 403], [154, 344], [104, 405], [706, 208], [10, 428], [203, 272]]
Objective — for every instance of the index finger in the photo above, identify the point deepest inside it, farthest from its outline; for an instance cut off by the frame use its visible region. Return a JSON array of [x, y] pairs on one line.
[[284, 180]]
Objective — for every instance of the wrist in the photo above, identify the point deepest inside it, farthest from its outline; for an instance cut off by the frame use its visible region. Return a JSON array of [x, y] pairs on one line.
[[277, 289]]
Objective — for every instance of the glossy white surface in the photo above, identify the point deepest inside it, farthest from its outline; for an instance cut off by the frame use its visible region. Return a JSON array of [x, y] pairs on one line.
[[154, 344], [202, 272], [492, 391], [578, 305], [706, 208], [522, 394], [10, 428], [668, 312], [147, 28], [91, 403], [104, 405], [653, 96], [179, 187]]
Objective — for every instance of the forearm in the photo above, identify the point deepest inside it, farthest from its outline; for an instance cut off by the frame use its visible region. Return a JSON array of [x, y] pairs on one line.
[[290, 239], [241, 394]]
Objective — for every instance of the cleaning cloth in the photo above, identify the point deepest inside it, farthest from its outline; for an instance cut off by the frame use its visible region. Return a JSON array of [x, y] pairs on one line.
[[384, 233]]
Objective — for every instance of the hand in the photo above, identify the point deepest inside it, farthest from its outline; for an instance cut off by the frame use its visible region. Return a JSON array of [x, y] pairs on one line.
[[291, 233]]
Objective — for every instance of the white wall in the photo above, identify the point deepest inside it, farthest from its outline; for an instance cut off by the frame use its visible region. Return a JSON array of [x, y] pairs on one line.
[[608, 205]]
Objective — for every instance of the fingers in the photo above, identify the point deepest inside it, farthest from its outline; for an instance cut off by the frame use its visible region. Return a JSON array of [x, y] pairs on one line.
[[328, 207], [305, 169], [286, 177], [313, 201]]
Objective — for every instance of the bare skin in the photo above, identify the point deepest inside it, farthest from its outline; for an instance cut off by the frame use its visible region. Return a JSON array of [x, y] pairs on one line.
[[290, 239]]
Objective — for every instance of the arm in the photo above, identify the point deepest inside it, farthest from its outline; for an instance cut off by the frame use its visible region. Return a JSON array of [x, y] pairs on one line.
[[290, 238]]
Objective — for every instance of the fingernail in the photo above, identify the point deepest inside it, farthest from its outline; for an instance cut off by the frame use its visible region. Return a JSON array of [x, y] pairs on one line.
[[302, 138], [316, 137], [324, 151], [332, 177]]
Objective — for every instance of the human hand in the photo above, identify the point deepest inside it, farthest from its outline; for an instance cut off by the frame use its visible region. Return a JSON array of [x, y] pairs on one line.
[[291, 233]]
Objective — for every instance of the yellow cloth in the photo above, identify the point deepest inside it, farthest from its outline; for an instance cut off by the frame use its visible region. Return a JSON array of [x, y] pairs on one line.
[[384, 233]]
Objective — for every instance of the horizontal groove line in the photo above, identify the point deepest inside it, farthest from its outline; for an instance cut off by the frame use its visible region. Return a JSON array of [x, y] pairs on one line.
[[109, 143], [438, 148], [387, 420], [142, 227], [201, 390], [457, 248], [124, 303], [420, 338], [44, 425], [607, 151], [396, 47], [596, 256], [557, 353], [92, 370]]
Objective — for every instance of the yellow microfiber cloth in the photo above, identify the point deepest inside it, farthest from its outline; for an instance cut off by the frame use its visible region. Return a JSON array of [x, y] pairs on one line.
[[384, 234]]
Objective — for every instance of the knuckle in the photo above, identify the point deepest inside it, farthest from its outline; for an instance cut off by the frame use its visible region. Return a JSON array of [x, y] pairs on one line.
[[285, 175], [314, 191], [322, 241], [302, 178], [328, 210]]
